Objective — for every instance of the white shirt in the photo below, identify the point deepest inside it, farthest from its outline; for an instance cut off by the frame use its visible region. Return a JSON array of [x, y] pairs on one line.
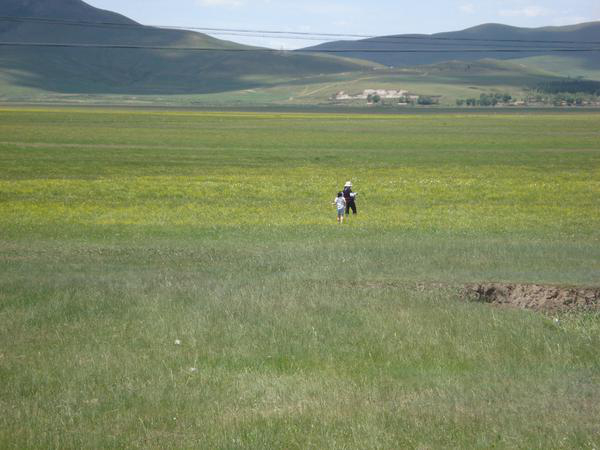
[[340, 202]]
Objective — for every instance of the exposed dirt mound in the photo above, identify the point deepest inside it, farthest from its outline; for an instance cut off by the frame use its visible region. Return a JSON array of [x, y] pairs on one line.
[[536, 297]]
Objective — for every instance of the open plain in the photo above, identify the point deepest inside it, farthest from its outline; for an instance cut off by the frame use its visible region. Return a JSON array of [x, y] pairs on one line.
[[177, 280]]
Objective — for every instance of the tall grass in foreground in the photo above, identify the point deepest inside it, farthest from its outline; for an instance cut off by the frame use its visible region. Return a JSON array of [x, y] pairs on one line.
[[288, 364]]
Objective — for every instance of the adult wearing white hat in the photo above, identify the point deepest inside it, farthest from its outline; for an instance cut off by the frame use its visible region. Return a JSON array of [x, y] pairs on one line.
[[350, 197]]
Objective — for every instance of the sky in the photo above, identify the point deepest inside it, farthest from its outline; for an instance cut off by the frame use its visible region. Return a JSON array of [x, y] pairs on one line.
[[374, 17]]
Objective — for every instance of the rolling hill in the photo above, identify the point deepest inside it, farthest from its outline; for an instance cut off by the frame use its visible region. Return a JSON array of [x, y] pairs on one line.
[[134, 71], [455, 43], [230, 76]]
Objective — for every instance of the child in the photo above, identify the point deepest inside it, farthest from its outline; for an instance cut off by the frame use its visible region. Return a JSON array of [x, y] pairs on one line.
[[340, 204]]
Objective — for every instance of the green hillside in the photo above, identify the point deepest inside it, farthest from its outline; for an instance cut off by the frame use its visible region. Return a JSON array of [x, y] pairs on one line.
[[481, 38], [133, 71], [566, 66], [225, 77], [447, 81]]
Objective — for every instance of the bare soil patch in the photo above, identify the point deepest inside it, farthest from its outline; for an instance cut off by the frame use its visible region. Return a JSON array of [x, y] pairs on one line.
[[536, 297]]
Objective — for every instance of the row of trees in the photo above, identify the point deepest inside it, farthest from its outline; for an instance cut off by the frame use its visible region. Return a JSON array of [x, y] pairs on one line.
[[565, 98], [558, 99], [485, 100], [546, 93], [569, 86], [373, 98], [422, 100]]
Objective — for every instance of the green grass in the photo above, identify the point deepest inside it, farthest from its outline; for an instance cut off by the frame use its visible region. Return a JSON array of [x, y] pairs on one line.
[[121, 232], [564, 66]]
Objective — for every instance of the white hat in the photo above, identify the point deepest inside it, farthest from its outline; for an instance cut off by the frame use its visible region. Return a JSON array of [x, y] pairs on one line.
[[348, 184]]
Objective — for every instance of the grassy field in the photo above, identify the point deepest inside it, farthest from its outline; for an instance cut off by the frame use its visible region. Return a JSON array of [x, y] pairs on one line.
[[566, 66], [124, 231]]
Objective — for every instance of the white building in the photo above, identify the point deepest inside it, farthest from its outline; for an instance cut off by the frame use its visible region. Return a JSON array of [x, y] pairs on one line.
[[382, 93]]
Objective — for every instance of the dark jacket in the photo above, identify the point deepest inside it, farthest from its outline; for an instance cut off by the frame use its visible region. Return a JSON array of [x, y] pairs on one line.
[[347, 191]]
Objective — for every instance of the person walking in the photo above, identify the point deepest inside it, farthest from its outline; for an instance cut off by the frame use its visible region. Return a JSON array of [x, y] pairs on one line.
[[340, 204], [350, 198]]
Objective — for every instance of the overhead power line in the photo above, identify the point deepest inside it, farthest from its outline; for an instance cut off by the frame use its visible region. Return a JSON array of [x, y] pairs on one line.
[[286, 34], [267, 50], [371, 41]]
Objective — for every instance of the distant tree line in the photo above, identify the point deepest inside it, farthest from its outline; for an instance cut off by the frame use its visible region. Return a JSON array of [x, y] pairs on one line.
[[571, 86], [373, 98], [567, 92], [485, 100], [423, 100], [565, 99]]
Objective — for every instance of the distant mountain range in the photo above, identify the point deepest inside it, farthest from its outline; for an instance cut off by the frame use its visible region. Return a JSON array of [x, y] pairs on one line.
[[134, 71], [486, 39], [83, 71]]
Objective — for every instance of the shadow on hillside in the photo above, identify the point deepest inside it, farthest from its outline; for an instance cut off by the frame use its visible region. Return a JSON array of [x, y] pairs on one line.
[[155, 72]]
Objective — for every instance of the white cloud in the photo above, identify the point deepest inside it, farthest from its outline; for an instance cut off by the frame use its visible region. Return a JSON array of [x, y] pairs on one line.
[[468, 8], [527, 11]]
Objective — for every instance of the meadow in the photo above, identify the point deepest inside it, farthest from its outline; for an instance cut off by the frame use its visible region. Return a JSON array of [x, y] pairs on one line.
[[177, 280]]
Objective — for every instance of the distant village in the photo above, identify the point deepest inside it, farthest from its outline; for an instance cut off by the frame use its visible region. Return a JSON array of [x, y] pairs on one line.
[[403, 97], [374, 96]]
